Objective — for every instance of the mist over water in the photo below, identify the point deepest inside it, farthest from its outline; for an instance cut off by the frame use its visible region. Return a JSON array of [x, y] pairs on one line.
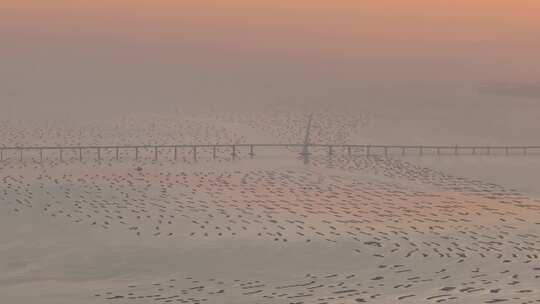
[[257, 151]]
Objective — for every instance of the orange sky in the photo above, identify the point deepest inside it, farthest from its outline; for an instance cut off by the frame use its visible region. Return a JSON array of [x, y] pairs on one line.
[[279, 42], [239, 24]]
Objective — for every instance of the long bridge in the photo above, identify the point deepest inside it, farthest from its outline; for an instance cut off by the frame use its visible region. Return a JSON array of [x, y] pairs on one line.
[[195, 150]]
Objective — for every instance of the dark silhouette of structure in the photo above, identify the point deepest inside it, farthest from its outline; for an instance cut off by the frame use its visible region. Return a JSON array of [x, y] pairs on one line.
[[305, 149]]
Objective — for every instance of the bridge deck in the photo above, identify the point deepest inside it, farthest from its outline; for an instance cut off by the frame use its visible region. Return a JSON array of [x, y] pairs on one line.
[[348, 149]]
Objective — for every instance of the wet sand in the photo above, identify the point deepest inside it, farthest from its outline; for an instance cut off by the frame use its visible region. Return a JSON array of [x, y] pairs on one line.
[[264, 230]]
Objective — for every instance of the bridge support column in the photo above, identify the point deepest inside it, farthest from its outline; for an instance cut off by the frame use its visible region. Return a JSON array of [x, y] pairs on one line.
[[155, 153], [194, 153], [233, 152], [214, 148], [251, 152], [60, 154]]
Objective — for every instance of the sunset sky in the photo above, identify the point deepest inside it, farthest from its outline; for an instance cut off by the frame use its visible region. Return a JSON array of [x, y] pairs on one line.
[[132, 51]]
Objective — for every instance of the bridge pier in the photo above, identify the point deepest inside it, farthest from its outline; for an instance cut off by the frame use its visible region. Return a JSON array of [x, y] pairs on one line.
[[233, 152], [195, 153], [214, 148], [251, 152]]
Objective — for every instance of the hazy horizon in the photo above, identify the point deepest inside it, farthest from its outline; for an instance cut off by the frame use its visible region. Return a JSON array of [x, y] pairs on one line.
[[88, 58]]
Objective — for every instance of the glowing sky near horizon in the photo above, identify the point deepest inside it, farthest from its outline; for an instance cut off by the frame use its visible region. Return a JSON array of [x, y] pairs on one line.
[[231, 42]]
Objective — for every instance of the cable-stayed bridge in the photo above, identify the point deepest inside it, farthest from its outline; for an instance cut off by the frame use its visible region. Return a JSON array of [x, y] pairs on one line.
[[196, 151]]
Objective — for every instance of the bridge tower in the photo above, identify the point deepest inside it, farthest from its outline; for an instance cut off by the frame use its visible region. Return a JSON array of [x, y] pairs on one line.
[[305, 149]]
